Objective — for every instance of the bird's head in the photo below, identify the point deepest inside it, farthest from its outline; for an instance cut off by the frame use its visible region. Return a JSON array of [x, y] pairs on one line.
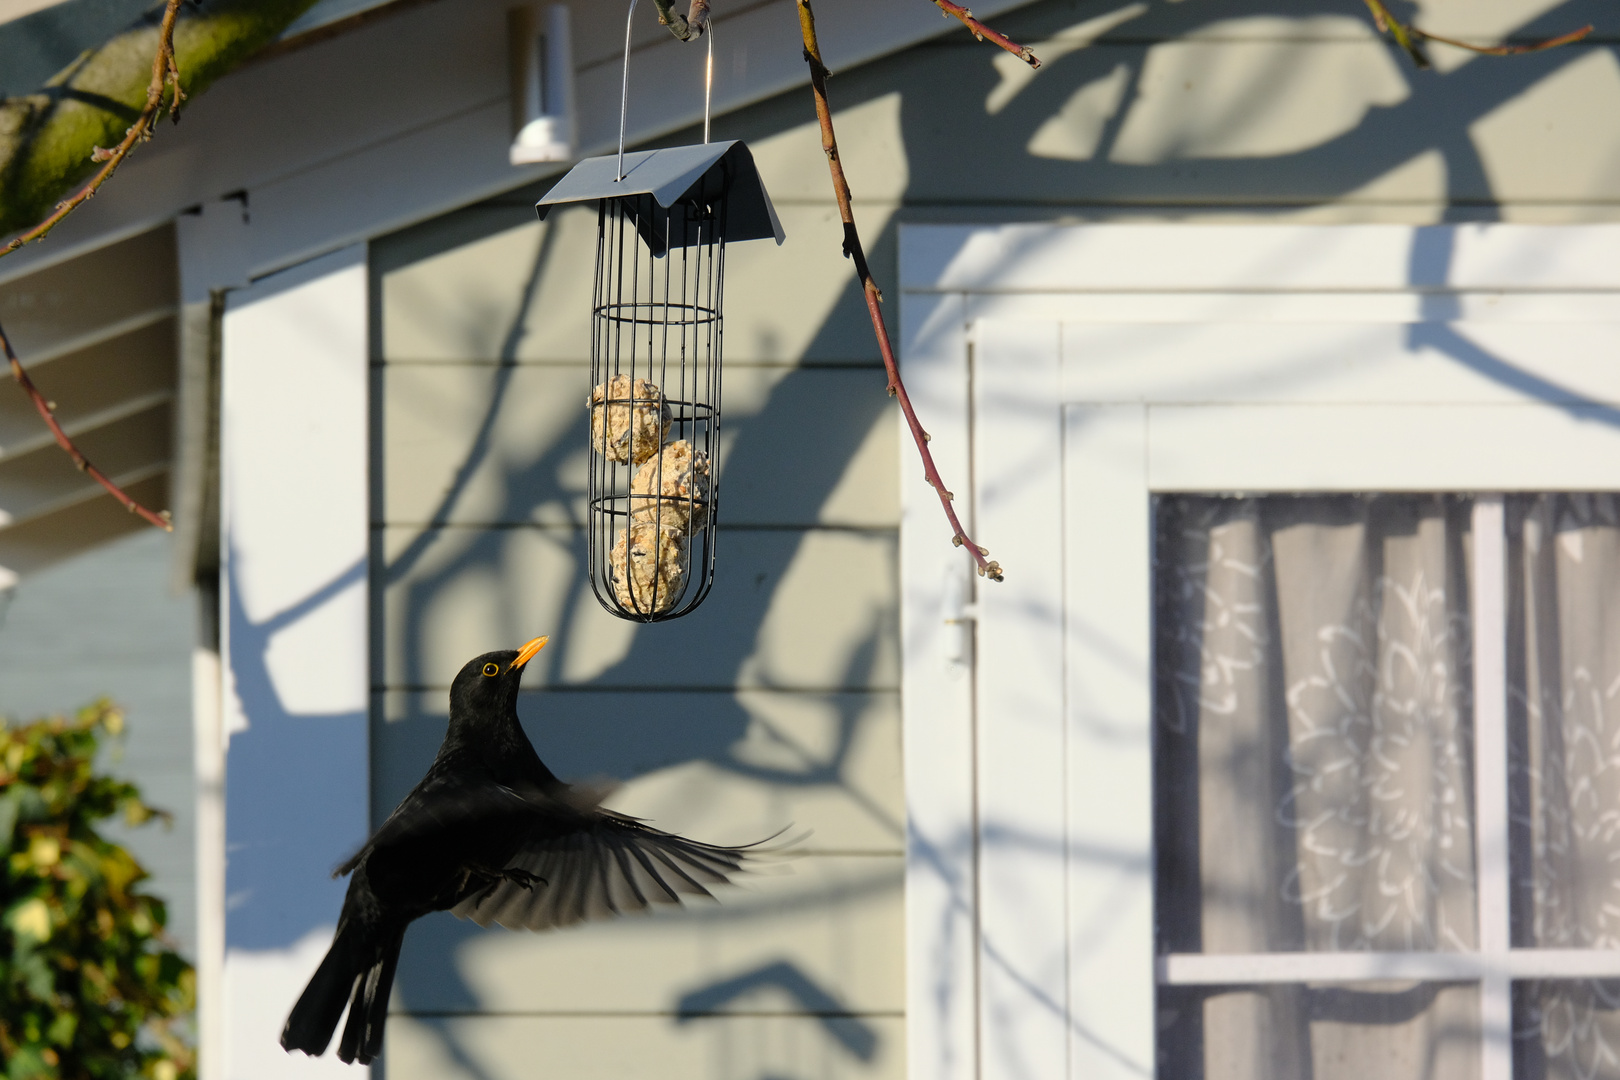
[[487, 685]]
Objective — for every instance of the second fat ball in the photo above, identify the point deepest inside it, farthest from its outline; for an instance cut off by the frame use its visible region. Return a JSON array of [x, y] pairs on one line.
[[671, 488]]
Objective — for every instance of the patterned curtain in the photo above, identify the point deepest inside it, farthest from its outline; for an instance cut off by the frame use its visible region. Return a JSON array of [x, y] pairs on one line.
[[1314, 759], [1314, 766], [1564, 730]]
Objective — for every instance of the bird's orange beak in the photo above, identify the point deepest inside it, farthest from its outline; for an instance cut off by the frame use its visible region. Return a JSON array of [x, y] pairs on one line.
[[526, 653]]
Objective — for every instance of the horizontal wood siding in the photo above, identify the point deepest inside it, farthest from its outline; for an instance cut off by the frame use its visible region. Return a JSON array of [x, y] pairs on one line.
[[777, 702], [774, 706]]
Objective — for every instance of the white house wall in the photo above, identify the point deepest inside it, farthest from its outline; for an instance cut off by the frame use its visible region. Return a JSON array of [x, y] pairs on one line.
[[293, 646], [1132, 414], [779, 700], [774, 705], [483, 339]]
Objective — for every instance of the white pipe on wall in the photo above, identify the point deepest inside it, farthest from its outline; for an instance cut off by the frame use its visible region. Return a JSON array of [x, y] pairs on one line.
[[542, 86]]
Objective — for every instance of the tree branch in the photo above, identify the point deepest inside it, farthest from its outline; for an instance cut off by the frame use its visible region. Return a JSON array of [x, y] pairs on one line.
[[984, 33], [51, 142], [165, 75], [686, 27], [79, 460], [77, 108], [874, 298], [1411, 39]]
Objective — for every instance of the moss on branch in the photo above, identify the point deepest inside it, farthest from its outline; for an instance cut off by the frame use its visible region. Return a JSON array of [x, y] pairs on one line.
[[47, 138]]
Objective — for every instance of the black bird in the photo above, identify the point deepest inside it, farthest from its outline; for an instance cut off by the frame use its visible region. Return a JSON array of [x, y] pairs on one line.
[[491, 835]]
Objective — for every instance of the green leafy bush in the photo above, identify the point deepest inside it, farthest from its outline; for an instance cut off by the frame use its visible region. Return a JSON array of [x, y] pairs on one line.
[[88, 986]]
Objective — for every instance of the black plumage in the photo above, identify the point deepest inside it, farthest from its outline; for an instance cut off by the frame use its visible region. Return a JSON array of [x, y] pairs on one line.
[[492, 835]]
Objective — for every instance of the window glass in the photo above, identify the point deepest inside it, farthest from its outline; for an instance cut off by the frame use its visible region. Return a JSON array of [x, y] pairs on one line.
[[1314, 771], [1565, 1029], [1313, 724], [1352, 1031], [1564, 772]]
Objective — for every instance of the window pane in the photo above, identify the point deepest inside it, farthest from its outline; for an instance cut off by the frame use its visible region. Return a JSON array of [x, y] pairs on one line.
[[1363, 1031], [1313, 737], [1566, 1030], [1564, 719]]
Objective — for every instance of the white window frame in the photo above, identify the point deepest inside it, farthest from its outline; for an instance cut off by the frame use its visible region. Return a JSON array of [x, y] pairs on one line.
[[1052, 367]]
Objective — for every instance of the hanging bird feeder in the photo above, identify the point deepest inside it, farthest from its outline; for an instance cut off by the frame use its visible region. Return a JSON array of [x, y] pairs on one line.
[[664, 218]]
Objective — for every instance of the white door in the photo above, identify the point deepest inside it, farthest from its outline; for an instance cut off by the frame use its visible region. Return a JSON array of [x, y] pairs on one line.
[[1083, 379]]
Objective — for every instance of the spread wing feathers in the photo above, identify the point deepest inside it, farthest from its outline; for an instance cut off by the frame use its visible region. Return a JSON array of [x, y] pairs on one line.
[[614, 866], [443, 806]]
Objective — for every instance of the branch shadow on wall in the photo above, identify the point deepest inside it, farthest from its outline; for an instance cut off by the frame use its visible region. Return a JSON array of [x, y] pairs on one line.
[[605, 725], [704, 722], [848, 1030]]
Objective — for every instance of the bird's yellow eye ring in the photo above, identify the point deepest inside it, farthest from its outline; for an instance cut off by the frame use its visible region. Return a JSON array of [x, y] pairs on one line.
[[492, 669]]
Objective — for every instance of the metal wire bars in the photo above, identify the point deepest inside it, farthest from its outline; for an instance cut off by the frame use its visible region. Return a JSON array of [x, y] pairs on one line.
[[656, 339]]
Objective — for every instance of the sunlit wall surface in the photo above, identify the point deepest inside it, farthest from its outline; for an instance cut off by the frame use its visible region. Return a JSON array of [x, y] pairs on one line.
[[774, 705]]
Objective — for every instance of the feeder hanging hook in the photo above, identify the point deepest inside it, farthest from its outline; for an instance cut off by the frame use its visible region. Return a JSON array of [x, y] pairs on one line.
[[624, 89]]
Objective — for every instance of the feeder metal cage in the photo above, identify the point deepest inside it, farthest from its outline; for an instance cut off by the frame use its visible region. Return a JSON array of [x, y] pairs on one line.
[[656, 342]]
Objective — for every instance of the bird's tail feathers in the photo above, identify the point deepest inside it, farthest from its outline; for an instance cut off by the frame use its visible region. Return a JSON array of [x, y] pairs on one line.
[[310, 1025], [368, 1011], [358, 971]]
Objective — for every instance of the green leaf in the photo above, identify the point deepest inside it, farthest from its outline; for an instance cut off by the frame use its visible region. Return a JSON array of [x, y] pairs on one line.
[[27, 1063], [10, 804], [87, 987], [63, 1028]]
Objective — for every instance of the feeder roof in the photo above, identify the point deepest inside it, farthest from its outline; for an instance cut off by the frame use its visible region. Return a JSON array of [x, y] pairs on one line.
[[671, 175]]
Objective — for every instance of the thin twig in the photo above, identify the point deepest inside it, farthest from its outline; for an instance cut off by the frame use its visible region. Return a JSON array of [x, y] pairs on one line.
[[1509, 50], [62, 440], [984, 33], [165, 73], [1411, 39], [874, 298]]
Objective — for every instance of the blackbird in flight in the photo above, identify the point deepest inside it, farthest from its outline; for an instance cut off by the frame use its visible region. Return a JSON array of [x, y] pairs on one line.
[[493, 836]]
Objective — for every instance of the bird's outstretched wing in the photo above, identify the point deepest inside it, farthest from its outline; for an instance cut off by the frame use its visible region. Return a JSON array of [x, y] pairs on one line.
[[441, 812], [613, 865]]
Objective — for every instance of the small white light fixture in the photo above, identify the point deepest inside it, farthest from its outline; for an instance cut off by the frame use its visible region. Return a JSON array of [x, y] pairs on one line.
[[542, 86]]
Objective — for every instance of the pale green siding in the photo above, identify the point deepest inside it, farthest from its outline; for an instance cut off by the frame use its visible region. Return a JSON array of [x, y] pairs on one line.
[[774, 705], [777, 701]]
